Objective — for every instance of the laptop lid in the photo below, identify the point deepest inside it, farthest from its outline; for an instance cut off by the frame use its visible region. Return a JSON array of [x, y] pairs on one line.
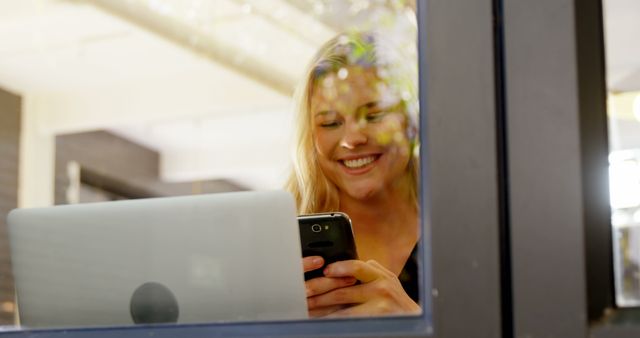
[[203, 258]]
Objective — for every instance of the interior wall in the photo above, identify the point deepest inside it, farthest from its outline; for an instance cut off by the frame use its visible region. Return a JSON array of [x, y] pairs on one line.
[[46, 115], [36, 156], [10, 111], [104, 154], [118, 165]]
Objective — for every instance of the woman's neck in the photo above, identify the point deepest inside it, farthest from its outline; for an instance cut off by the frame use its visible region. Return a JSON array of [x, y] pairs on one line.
[[385, 227]]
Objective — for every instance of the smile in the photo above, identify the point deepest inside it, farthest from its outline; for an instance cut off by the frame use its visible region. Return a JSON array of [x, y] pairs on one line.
[[359, 162]]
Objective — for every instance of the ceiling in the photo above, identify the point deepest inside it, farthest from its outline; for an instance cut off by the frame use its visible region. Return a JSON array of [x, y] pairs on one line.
[[76, 45], [208, 84], [193, 79], [190, 79]]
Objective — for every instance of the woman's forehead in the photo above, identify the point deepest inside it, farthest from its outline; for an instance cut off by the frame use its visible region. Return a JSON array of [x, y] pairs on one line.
[[349, 86]]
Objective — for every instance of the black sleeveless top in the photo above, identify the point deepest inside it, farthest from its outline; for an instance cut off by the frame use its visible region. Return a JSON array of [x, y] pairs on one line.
[[409, 276]]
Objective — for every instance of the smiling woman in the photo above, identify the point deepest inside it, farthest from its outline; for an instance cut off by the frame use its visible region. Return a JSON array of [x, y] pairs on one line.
[[343, 126], [356, 144]]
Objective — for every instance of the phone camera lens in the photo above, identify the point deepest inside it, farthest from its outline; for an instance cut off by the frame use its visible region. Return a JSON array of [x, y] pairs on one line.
[[316, 228]]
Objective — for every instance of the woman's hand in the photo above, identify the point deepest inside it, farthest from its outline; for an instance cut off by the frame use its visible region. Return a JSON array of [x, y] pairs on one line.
[[337, 295], [323, 285]]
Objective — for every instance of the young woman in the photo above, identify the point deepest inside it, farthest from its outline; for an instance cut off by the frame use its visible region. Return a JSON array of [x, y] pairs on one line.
[[357, 153]]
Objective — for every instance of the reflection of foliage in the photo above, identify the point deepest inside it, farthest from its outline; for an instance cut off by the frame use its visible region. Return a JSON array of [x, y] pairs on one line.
[[362, 51], [393, 57], [379, 38]]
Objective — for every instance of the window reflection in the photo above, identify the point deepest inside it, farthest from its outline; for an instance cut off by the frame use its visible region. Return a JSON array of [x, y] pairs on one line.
[[165, 98], [624, 172], [623, 86]]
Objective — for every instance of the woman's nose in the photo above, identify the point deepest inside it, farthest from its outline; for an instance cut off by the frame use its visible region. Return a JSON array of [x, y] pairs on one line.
[[354, 136]]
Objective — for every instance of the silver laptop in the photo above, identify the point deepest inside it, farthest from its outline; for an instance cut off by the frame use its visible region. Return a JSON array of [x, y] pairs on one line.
[[194, 259]]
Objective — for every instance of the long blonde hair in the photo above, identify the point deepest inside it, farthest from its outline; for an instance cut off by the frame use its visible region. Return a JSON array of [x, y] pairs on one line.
[[312, 190]]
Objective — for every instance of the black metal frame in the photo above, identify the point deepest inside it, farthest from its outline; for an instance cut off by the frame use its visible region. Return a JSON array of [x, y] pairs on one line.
[[558, 185], [463, 167]]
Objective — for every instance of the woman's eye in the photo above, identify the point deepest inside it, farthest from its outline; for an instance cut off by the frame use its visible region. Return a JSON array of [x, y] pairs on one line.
[[375, 116], [330, 124]]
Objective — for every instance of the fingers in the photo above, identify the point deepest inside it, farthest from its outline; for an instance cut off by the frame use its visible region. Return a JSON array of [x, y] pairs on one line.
[[320, 285], [379, 293], [363, 271], [381, 269], [312, 263], [352, 311], [378, 309], [325, 311], [342, 296]]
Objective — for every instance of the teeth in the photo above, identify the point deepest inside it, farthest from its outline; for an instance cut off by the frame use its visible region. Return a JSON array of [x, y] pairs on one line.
[[361, 162]]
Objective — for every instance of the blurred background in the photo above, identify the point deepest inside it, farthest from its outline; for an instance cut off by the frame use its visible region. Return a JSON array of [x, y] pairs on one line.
[[115, 99], [622, 29]]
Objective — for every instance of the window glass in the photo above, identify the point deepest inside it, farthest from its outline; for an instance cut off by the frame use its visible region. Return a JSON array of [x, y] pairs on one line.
[[623, 81], [105, 102]]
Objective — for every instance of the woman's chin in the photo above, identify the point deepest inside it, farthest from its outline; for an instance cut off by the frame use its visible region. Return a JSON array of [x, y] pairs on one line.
[[363, 193]]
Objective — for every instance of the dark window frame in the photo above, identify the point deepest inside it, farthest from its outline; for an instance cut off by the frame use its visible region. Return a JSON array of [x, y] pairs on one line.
[[561, 241]]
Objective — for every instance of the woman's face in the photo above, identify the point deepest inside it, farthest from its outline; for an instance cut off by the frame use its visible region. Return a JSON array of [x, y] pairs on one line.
[[359, 131]]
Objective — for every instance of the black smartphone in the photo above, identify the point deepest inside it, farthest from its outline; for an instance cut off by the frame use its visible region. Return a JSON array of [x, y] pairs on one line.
[[328, 235]]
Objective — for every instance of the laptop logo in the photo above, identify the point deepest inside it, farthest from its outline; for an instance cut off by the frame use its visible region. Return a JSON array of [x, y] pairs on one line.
[[153, 303]]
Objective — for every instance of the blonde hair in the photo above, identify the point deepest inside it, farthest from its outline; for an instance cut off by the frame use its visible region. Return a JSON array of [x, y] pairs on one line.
[[312, 190]]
